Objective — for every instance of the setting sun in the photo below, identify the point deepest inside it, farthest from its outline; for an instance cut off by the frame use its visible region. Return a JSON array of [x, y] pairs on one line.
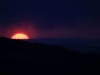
[[19, 36]]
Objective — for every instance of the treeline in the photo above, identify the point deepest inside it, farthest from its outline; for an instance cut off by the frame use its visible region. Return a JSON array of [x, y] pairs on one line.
[[19, 57]]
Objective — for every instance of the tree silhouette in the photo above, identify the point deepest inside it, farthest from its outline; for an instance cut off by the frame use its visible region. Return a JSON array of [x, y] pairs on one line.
[[27, 58]]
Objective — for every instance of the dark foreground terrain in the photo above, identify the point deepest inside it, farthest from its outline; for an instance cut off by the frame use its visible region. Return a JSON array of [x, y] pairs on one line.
[[18, 57]]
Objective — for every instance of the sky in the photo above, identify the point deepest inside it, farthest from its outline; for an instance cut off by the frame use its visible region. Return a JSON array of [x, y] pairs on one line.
[[50, 18]]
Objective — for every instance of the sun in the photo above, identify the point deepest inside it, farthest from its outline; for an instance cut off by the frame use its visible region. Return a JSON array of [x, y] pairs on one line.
[[19, 36]]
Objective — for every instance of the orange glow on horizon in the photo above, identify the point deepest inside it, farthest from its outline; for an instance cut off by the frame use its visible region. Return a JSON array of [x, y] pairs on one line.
[[19, 36]]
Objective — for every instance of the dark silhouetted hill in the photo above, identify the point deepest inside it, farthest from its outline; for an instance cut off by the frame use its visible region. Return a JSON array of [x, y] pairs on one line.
[[84, 45], [19, 57]]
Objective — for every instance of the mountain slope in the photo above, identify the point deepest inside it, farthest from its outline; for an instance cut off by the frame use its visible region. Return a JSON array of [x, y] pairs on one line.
[[19, 57]]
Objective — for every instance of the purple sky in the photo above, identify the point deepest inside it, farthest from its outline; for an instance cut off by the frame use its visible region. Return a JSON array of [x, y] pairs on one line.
[[50, 18]]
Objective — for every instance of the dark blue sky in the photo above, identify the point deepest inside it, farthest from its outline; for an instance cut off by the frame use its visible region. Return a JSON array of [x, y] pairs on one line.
[[50, 18]]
